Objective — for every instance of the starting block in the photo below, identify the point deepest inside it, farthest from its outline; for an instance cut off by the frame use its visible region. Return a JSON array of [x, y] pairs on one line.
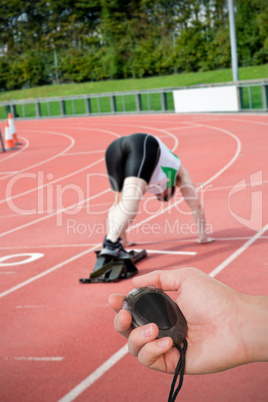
[[109, 269]]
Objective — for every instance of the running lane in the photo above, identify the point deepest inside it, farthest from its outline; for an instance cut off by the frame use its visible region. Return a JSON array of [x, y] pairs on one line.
[[55, 332]]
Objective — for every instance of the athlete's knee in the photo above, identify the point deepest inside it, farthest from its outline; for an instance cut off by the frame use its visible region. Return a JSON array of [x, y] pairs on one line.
[[133, 191], [134, 187], [117, 196]]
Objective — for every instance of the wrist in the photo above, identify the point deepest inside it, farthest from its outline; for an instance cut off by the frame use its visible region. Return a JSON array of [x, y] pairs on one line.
[[254, 328]]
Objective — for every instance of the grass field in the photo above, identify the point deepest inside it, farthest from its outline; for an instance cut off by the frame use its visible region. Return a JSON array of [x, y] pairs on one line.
[[168, 81], [94, 103]]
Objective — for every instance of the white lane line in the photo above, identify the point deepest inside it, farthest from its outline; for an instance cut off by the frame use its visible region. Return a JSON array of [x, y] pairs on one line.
[[131, 228], [236, 238], [74, 205], [60, 265], [239, 251], [169, 252], [250, 121], [238, 149], [84, 153], [60, 178], [14, 172], [71, 207], [164, 131], [190, 240], [36, 359], [107, 365], [242, 186], [95, 375], [176, 141], [13, 197], [48, 271], [29, 306], [52, 157], [16, 153], [162, 211], [75, 392], [80, 245], [48, 246]]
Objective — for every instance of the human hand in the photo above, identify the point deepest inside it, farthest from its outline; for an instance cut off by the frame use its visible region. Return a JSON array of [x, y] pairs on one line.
[[213, 313]]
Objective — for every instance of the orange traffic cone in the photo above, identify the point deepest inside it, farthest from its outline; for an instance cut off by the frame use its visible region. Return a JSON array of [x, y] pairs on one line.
[[3, 149], [12, 129], [9, 142]]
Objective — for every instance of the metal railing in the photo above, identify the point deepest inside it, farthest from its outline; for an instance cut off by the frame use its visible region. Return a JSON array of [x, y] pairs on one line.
[[157, 101], [253, 96]]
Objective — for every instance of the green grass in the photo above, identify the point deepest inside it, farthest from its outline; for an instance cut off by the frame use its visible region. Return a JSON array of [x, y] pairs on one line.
[[168, 81], [251, 97]]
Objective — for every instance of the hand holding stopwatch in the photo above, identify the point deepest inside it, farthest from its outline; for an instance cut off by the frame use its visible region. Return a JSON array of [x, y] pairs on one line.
[[150, 305]]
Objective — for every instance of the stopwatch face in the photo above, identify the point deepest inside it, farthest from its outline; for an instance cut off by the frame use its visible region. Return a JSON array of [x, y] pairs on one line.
[[150, 305], [153, 307]]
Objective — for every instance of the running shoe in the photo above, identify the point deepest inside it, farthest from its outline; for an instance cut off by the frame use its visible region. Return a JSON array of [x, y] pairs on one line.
[[114, 250]]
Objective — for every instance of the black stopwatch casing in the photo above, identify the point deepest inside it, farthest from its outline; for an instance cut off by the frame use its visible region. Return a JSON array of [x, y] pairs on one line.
[[151, 305]]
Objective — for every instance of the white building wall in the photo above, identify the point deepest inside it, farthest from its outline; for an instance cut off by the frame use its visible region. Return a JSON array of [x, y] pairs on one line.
[[216, 99]]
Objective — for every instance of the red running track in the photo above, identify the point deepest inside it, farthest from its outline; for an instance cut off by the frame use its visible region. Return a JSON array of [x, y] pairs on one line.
[[57, 336]]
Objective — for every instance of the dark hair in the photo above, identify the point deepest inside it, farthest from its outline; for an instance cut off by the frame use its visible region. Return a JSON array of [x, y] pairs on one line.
[[168, 196]]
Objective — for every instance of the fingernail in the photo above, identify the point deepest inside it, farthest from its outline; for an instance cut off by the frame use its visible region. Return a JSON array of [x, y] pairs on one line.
[[147, 331], [163, 342]]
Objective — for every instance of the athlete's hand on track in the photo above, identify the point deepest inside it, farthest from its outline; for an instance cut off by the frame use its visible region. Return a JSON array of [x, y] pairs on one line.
[[221, 332], [205, 240], [125, 242]]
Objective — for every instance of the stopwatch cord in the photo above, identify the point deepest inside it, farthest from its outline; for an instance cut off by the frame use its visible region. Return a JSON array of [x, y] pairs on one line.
[[179, 371]]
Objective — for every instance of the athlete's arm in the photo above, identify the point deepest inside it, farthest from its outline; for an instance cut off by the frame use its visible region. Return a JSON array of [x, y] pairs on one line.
[[225, 329]]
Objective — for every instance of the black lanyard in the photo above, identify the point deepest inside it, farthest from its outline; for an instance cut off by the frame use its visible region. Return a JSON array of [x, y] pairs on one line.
[[179, 371]]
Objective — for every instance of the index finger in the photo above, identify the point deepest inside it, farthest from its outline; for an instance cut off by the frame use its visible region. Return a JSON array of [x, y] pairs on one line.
[[116, 301], [164, 280]]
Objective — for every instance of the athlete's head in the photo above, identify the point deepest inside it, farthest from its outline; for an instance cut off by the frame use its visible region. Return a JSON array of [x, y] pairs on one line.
[[167, 194]]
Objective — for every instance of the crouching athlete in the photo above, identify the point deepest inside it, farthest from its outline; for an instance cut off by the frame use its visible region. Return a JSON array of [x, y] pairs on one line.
[[140, 163]]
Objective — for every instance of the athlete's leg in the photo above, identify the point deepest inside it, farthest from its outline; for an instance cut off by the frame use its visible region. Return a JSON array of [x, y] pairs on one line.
[[126, 207], [121, 215], [188, 190], [115, 165], [139, 154], [117, 199], [123, 235]]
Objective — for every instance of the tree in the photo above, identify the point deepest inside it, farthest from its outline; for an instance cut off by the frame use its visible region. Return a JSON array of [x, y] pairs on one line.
[[105, 39]]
